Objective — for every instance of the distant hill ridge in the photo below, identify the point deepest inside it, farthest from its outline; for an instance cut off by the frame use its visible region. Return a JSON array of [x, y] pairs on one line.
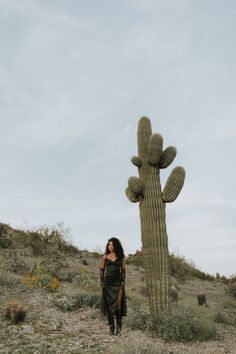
[[45, 239]]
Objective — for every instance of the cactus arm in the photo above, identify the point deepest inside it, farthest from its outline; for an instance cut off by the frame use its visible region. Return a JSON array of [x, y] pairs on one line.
[[167, 157], [136, 185], [144, 133], [131, 196], [173, 185], [136, 161], [155, 149]]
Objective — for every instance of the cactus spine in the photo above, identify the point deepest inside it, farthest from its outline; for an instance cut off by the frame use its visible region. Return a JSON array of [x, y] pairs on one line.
[[146, 189]]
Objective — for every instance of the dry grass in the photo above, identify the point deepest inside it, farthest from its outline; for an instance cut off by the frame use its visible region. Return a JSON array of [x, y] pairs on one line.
[[68, 320]]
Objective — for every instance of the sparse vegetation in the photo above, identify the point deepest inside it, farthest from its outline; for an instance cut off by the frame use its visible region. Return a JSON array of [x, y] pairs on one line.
[[180, 268], [42, 241], [63, 298], [5, 242], [184, 324], [9, 280], [223, 317], [138, 318], [78, 301], [40, 278], [232, 288]]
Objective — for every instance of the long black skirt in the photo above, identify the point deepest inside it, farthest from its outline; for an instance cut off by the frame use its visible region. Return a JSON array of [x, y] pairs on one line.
[[109, 300]]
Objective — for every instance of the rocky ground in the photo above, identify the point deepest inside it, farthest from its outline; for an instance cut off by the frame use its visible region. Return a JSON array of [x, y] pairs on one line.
[[48, 329]]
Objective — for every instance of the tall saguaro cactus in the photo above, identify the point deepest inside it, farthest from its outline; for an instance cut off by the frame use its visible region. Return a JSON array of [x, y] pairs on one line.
[[146, 189]]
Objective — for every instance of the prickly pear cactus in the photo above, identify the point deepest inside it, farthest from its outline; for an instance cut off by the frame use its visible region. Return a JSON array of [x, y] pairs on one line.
[[146, 189]]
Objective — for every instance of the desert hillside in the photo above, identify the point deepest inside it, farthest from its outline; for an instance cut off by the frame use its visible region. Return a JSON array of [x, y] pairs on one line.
[[58, 285]]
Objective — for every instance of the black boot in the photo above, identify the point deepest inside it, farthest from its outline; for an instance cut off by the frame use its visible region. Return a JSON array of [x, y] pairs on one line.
[[111, 324], [119, 323]]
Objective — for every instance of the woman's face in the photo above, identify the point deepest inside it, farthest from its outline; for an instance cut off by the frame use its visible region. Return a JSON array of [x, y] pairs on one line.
[[110, 246]]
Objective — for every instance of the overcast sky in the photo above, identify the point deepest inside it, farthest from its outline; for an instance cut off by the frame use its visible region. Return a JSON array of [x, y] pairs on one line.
[[76, 76]]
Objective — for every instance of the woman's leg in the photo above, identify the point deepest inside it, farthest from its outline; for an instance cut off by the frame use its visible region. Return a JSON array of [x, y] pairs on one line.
[[119, 313], [111, 323]]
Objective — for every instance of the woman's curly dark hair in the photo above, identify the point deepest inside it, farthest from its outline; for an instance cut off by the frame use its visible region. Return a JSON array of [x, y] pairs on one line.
[[118, 249]]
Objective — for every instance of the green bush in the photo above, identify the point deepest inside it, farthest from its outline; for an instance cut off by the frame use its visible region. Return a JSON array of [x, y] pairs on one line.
[[47, 240], [179, 267], [54, 263], [66, 276], [40, 278], [138, 346], [232, 288], [222, 317], [9, 281], [78, 301], [183, 270], [184, 325], [16, 263], [138, 318], [229, 304], [136, 260], [87, 281], [65, 304], [5, 242], [143, 290], [87, 300]]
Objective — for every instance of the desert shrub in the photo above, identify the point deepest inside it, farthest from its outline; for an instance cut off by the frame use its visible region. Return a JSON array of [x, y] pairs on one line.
[[138, 345], [229, 304], [40, 278], [5, 240], [232, 288], [96, 255], [143, 290], [47, 240], [16, 264], [78, 301], [182, 269], [3, 229], [54, 264], [15, 311], [86, 280], [87, 300], [66, 276], [9, 281], [182, 324], [84, 262], [136, 260], [138, 318], [65, 304], [222, 317], [34, 242], [70, 249]]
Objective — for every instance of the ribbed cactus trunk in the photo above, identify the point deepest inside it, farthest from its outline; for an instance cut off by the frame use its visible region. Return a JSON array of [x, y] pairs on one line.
[[147, 190]]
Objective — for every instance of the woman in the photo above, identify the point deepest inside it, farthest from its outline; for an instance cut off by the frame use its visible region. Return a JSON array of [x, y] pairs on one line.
[[112, 281]]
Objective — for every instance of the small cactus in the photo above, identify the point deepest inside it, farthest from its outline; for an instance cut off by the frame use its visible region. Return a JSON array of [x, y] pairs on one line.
[[174, 294], [201, 297], [15, 311], [146, 189], [84, 261]]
